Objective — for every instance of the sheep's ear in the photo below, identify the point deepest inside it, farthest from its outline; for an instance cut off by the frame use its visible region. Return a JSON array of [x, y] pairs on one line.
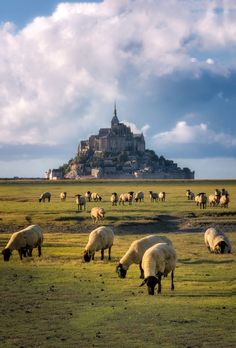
[[143, 283]]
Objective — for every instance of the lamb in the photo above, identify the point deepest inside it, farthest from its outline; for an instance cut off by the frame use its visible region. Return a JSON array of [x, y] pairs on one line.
[[126, 197], [153, 196], [224, 201], [162, 196], [45, 195], [87, 196], [63, 196], [99, 239], [96, 197], [114, 198], [80, 201], [201, 200], [135, 253], [216, 241], [139, 196], [97, 214], [159, 260], [24, 241], [190, 195]]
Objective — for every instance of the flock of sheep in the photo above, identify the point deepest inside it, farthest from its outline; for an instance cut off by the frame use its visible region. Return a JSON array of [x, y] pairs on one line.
[[218, 198]]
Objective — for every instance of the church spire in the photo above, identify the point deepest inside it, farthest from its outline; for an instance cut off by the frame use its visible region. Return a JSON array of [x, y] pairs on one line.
[[115, 120]]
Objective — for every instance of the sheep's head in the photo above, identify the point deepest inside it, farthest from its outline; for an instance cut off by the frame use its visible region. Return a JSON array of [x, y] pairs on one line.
[[87, 256], [151, 282], [121, 271], [6, 254], [222, 248]]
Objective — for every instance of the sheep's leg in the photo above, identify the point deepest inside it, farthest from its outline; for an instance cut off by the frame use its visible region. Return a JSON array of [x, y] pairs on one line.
[[172, 281], [109, 253], [30, 251], [20, 253], [102, 254], [159, 285], [39, 250], [93, 256], [141, 270]]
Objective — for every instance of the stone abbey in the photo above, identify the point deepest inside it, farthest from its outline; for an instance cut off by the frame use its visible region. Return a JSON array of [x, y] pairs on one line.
[[117, 152]]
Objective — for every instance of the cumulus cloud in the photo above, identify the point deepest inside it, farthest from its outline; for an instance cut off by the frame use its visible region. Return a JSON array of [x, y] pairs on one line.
[[183, 133], [135, 129]]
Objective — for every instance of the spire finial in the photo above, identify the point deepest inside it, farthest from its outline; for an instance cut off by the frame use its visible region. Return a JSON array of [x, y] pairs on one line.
[[115, 112]]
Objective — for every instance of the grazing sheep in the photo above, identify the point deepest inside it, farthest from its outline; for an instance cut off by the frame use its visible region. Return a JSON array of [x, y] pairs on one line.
[[224, 201], [139, 196], [190, 195], [97, 214], [216, 241], [213, 200], [153, 196], [201, 200], [24, 241], [126, 197], [45, 195], [136, 251], [80, 201], [114, 198], [96, 197], [162, 196], [63, 196], [159, 260], [99, 239], [87, 196]]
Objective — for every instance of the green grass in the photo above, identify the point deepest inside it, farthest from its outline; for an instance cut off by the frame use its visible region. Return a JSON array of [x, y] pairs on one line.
[[59, 301]]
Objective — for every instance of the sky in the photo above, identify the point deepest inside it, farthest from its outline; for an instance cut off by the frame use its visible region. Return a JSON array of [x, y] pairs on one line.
[[170, 66]]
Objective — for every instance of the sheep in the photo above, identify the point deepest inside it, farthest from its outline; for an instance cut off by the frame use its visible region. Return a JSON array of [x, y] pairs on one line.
[[139, 196], [159, 260], [114, 198], [63, 196], [216, 241], [80, 201], [213, 200], [97, 214], [190, 195], [45, 195], [126, 197], [87, 196], [224, 201], [162, 196], [99, 239], [135, 253], [24, 241], [201, 200], [96, 197], [153, 196]]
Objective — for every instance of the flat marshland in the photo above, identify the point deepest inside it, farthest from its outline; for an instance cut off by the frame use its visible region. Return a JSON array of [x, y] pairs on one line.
[[60, 301]]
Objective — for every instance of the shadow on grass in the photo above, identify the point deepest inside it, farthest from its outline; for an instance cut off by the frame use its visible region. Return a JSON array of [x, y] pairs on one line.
[[70, 218], [199, 262]]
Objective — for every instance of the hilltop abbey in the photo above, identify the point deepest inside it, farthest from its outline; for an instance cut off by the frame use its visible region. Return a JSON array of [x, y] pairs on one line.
[[117, 152]]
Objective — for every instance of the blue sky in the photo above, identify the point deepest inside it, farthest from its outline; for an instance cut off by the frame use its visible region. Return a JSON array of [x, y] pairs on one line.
[[62, 65]]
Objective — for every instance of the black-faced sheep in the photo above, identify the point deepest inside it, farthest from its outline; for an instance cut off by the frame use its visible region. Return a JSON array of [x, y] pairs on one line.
[[159, 260], [63, 196], [44, 196], [139, 196], [96, 197], [213, 200], [24, 241], [201, 200], [87, 196], [162, 196], [153, 196], [97, 214], [80, 201], [216, 241], [224, 201], [190, 195], [99, 239], [126, 197], [114, 198], [135, 253]]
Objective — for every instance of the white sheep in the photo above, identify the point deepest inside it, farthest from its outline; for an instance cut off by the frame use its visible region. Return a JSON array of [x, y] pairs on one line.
[[99, 239], [153, 196], [139, 196], [45, 195], [159, 260], [97, 214], [162, 196], [24, 241], [96, 197], [114, 198], [80, 201], [63, 196], [87, 195], [224, 201], [216, 241], [190, 195], [126, 197], [213, 200], [135, 253], [201, 200]]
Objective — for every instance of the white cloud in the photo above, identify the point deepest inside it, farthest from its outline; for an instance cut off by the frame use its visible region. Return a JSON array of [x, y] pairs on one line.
[[183, 133], [135, 129]]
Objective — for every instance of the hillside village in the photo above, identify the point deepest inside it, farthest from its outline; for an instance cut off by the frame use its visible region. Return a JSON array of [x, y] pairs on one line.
[[117, 152]]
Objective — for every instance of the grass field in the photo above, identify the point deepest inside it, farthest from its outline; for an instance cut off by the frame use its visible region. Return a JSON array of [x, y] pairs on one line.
[[59, 301]]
